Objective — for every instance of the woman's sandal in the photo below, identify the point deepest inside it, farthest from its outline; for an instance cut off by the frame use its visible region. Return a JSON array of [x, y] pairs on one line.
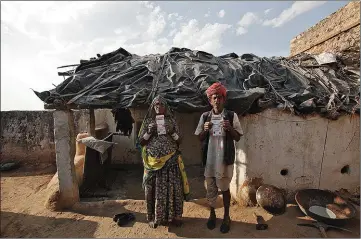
[[152, 224]]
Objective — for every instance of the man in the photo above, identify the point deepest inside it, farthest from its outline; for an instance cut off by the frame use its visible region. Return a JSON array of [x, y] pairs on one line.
[[217, 130]]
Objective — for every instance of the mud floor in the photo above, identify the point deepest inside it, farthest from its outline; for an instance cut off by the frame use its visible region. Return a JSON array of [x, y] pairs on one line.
[[126, 182], [23, 215]]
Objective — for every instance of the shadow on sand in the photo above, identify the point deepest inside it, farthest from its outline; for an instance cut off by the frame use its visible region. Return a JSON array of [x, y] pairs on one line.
[[17, 225], [283, 226], [31, 170]]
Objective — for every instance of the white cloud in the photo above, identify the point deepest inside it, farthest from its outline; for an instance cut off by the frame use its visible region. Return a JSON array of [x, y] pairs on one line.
[[207, 38], [267, 11], [147, 4], [297, 8], [5, 30], [248, 19], [241, 30], [175, 16], [173, 24], [17, 14], [172, 33], [207, 14], [157, 23], [221, 13], [66, 11], [163, 41]]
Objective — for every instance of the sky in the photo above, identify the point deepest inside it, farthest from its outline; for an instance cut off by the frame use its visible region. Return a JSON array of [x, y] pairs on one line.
[[38, 37]]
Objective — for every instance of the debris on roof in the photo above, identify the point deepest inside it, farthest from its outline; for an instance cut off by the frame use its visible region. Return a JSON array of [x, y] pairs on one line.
[[304, 84]]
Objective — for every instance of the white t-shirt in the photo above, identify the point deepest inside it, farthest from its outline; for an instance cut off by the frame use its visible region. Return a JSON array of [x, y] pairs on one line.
[[215, 166]]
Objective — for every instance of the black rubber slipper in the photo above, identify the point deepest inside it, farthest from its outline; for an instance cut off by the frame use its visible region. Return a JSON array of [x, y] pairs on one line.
[[116, 217], [211, 224], [123, 218], [226, 225]]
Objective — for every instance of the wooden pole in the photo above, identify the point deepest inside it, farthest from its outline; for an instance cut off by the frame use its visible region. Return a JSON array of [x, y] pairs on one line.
[[91, 124]]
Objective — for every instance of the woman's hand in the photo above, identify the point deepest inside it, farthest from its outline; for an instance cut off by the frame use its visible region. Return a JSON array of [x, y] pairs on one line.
[[151, 128], [171, 130]]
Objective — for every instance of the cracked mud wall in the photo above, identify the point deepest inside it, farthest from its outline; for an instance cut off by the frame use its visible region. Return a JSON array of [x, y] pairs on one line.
[[294, 153]]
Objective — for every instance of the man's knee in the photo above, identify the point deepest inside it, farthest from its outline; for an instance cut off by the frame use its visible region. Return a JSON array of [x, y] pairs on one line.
[[223, 184]]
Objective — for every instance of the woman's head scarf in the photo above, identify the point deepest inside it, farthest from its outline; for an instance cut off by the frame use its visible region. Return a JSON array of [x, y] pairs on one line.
[[151, 112], [160, 99]]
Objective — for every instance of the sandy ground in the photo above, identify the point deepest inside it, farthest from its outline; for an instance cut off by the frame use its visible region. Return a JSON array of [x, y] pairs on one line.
[[23, 215]]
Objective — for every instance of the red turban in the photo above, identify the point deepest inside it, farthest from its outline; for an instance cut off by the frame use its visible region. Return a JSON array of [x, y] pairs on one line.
[[216, 88]]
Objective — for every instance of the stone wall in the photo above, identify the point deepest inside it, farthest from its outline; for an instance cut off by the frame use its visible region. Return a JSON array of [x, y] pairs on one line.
[[338, 32]]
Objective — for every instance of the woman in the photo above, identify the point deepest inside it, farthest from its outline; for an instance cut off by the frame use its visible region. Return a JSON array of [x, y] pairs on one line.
[[165, 181]]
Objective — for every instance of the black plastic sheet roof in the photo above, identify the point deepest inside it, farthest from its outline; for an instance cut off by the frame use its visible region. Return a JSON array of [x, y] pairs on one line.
[[304, 84]]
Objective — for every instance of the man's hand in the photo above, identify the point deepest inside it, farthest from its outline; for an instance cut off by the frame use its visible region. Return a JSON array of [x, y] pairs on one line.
[[207, 126], [151, 128], [226, 125]]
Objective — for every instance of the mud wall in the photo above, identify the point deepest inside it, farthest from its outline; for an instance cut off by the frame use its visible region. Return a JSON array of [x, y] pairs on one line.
[[28, 136], [338, 32], [315, 152], [294, 153]]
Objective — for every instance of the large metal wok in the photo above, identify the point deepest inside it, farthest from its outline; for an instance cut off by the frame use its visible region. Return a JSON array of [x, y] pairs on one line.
[[337, 211]]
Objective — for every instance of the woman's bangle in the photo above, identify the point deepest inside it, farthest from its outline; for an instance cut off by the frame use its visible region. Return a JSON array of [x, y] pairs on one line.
[[146, 136], [175, 136]]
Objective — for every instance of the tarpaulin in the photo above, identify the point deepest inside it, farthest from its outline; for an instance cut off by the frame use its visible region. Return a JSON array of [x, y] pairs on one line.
[[123, 80]]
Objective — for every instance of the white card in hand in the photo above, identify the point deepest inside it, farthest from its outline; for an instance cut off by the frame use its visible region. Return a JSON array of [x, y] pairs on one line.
[[216, 127], [160, 124]]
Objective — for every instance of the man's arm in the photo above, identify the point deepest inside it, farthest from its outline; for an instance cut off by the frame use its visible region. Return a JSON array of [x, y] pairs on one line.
[[202, 136], [202, 129], [235, 135], [235, 131]]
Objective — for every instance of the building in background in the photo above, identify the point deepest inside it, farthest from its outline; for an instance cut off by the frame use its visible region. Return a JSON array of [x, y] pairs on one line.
[[337, 33]]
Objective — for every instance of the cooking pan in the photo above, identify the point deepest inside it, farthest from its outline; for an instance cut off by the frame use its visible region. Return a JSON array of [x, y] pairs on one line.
[[325, 206], [271, 199]]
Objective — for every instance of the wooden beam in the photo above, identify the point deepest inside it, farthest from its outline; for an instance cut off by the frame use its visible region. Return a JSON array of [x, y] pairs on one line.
[[91, 123], [67, 66], [73, 107], [79, 107]]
